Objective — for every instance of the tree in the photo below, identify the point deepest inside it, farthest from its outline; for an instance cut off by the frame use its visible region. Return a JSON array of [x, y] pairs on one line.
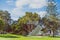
[[14, 26], [5, 15], [50, 20], [2, 24], [51, 24], [52, 17], [29, 17]]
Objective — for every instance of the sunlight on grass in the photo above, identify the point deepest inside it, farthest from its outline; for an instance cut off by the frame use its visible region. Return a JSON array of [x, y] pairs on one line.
[[18, 37]]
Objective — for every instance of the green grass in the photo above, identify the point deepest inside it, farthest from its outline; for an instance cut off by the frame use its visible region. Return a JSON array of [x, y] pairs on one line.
[[18, 37]]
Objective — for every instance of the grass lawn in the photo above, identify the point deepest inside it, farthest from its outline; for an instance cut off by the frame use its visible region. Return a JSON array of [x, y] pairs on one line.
[[18, 37]]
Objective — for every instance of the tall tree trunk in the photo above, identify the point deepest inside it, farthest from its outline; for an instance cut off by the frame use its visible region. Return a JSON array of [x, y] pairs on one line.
[[50, 33], [53, 34]]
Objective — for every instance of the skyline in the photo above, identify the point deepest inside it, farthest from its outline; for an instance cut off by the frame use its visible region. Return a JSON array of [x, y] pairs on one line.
[[17, 8]]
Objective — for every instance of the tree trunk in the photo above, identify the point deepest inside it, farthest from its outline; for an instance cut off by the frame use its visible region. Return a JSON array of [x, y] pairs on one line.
[[53, 34]]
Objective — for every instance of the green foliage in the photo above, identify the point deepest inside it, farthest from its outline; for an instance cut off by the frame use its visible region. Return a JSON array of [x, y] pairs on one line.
[[51, 23], [29, 16], [2, 24], [5, 20]]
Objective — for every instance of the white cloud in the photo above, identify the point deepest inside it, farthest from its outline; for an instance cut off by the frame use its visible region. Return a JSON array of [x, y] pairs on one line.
[[32, 4], [37, 3], [18, 12], [9, 2], [20, 3], [42, 13]]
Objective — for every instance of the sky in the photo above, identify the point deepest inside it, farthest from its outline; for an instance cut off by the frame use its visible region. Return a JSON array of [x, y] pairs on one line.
[[17, 8]]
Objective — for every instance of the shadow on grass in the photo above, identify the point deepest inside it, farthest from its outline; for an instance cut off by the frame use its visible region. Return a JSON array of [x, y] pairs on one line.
[[55, 36], [9, 36]]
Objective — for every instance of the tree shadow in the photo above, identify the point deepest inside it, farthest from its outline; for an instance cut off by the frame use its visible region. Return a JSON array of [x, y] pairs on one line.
[[9, 36], [55, 36]]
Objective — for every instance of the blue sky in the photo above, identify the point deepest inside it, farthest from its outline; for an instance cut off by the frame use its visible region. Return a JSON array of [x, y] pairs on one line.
[[17, 8]]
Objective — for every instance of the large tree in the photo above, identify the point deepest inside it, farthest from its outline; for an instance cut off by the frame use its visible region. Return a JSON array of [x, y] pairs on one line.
[[51, 20], [5, 15], [51, 24], [28, 18]]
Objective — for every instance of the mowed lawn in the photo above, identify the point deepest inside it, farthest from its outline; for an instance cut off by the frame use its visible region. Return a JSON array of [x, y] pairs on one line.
[[18, 37]]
